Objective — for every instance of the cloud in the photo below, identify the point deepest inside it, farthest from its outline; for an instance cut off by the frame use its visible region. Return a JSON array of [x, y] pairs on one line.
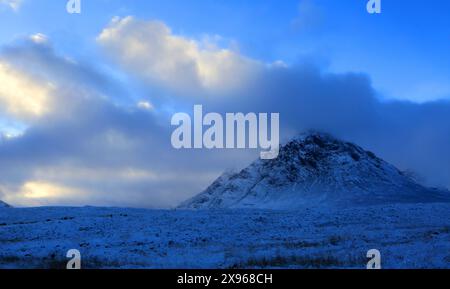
[[90, 149], [151, 51], [13, 4], [22, 95], [145, 105], [39, 38], [412, 136], [38, 83]]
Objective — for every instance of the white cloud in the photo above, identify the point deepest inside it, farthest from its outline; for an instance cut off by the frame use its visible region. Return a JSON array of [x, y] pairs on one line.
[[13, 4], [150, 50], [39, 38], [145, 105]]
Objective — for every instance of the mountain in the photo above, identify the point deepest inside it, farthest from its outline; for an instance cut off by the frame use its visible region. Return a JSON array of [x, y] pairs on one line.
[[4, 205], [315, 169]]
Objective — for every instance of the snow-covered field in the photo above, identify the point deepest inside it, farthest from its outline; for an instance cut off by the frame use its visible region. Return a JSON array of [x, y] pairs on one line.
[[408, 236]]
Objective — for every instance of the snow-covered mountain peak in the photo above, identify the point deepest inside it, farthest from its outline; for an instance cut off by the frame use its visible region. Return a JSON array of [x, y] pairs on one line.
[[315, 169]]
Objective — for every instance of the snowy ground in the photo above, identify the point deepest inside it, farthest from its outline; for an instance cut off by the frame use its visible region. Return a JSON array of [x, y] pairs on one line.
[[408, 236]]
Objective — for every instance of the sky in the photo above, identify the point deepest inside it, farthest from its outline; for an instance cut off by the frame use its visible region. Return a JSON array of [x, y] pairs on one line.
[[86, 99]]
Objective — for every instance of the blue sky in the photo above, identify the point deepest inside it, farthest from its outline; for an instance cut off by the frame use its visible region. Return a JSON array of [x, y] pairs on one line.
[[86, 100]]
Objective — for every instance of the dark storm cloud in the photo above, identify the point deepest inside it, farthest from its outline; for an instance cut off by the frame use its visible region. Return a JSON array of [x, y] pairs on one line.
[[410, 135]]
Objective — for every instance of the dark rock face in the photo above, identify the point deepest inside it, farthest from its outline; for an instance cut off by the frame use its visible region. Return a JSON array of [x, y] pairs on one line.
[[315, 169]]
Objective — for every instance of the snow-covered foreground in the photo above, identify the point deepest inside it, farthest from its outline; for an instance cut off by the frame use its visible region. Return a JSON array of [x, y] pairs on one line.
[[408, 236]]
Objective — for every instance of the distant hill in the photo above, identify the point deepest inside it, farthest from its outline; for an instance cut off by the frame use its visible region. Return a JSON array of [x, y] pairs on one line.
[[315, 169], [4, 205]]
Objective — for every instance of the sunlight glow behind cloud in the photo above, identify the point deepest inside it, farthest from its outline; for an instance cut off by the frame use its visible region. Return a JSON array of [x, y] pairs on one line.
[[43, 190], [21, 95]]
